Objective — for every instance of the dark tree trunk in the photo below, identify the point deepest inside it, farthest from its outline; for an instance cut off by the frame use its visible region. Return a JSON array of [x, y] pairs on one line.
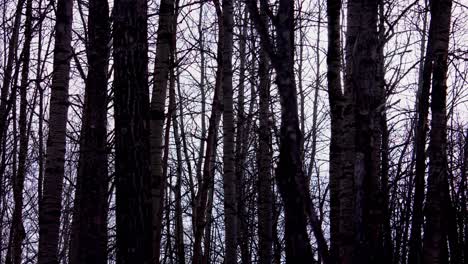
[[132, 164], [179, 224], [229, 180], [289, 173], [17, 232], [338, 242], [241, 148], [89, 227], [422, 107], [435, 248], [201, 214], [264, 156], [265, 196], [49, 216], [363, 80], [5, 103]]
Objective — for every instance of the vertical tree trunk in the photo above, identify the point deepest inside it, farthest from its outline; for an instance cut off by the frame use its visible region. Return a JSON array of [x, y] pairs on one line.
[[49, 217], [338, 249], [89, 227], [436, 228], [241, 147], [132, 164], [39, 69], [164, 48], [179, 224], [422, 107], [229, 180], [17, 232], [264, 160], [363, 80], [386, 232], [463, 217], [202, 92]]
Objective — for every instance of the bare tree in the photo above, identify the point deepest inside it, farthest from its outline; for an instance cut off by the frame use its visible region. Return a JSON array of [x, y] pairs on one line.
[[164, 49], [264, 156], [289, 173], [17, 232], [89, 228], [131, 105], [49, 217], [435, 248]]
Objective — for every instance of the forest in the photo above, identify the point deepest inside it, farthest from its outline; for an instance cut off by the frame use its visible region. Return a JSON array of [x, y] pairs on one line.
[[233, 131]]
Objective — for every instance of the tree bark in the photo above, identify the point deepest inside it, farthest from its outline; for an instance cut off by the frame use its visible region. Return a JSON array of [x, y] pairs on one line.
[[179, 224], [132, 162], [17, 232], [289, 173], [229, 179], [338, 250], [363, 80], [422, 107], [164, 49], [435, 249], [264, 160], [49, 217], [242, 146], [89, 227], [5, 104]]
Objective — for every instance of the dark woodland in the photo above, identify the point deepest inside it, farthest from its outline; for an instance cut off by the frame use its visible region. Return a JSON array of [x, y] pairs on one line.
[[233, 131]]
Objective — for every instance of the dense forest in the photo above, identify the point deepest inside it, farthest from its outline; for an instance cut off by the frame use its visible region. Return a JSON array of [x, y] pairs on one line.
[[234, 131]]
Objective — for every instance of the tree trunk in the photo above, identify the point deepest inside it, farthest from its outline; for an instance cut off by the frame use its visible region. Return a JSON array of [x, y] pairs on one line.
[[335, 96], [179, 224], [289, 173], [164, 49], [5, 104], [201, 214], [49, 217], [241, 147], [132, 164], [264, 160], [89, 227], [17, 232], [436, 228], [229, 180], [422, 108], [363, 81]]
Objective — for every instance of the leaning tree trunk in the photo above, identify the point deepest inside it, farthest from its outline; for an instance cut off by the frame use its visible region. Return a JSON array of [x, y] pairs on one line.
[[290, 176], [17, 232], [201, 212], [422, 107], [132, 163], [89, 227], [436, 213], [5, 104], [164, 48], [49, 216]]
